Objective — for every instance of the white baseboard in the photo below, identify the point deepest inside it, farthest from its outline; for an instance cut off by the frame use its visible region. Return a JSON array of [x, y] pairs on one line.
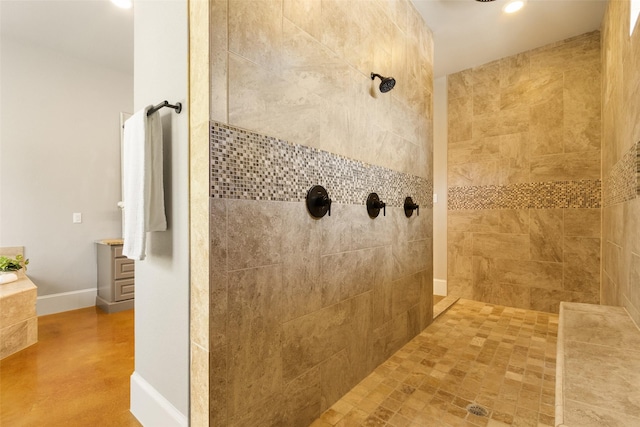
[[65, 301], [151, 408], [440, 287]]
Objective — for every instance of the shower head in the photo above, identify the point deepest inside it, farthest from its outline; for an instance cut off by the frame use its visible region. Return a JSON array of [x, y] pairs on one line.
[[386, 83]]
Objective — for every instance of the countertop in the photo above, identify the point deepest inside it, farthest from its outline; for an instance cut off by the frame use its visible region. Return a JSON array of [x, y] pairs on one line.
[[23, 284], [110, 242]]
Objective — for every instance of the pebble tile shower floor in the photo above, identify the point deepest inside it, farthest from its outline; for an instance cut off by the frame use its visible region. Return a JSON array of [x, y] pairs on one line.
[[501, 358]]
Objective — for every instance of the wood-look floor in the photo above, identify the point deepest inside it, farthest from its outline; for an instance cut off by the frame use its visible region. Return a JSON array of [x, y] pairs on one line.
[[76, 375]]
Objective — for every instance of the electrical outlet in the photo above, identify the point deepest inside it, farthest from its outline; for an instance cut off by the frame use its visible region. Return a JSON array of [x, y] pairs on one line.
[[77, 217], [435, 198]]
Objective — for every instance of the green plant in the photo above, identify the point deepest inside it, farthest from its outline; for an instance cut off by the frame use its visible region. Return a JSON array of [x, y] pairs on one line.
[[13, 264]]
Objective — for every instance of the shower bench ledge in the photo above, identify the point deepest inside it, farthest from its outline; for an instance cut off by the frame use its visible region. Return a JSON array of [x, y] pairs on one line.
[[598, 367]]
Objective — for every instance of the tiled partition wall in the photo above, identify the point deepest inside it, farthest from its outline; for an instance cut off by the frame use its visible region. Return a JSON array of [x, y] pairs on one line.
[[308, 307], [621, 160], [301, 309], [524, 183]]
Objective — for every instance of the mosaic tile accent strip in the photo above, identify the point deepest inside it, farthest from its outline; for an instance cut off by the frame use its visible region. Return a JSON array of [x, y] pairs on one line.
[[622, 183], [250, 166], [533, 195]]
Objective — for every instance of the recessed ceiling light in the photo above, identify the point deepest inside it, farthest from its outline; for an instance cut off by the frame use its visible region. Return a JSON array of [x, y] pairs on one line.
[[124, 4], [513, 6]]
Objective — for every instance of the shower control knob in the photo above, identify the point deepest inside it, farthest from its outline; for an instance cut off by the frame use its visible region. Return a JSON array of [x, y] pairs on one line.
[[324, 201], [409, 207], [318, 202], [374, 204]]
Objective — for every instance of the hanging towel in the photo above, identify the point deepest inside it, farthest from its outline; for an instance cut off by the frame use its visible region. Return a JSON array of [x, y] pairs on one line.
[[143, 182]]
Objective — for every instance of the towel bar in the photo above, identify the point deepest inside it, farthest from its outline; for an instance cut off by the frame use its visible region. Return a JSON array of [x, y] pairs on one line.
[[177, 107]]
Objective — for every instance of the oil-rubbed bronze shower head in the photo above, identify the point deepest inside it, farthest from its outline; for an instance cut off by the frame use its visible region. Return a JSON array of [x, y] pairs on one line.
[[386, 83]]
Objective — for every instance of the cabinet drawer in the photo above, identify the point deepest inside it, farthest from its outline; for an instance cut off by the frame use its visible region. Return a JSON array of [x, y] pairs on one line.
[[124, 289], [117, 251], [124, 268]]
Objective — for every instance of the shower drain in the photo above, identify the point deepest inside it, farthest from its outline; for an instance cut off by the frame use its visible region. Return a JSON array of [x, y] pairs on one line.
[[478, 410]]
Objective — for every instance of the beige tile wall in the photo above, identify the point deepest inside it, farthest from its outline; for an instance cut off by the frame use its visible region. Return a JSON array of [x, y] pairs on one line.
[[524, 177], [302, 309], [621, 133], [199, 185], [299, 70]]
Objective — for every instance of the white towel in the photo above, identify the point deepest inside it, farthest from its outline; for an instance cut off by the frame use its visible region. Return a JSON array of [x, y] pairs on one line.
[[8, 278], [143, 182]]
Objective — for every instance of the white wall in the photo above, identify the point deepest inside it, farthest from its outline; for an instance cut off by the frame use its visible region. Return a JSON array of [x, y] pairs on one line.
[[160, 383], [59, 154], [440, 186]]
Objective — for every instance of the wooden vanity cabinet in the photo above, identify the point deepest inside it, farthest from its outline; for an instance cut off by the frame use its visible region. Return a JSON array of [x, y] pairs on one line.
[[116, 278]]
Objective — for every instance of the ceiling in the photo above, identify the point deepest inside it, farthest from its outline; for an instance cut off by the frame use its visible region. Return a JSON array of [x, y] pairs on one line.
[[95, 30], [466, 32]]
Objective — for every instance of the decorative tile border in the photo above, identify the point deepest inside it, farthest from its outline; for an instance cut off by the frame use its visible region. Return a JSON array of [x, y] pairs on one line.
[[533, 195], [623, 182], [250, 166]]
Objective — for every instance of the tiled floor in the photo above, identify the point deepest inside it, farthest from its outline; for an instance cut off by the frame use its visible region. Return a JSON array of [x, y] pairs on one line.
[[442, 305], [501, 358]]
